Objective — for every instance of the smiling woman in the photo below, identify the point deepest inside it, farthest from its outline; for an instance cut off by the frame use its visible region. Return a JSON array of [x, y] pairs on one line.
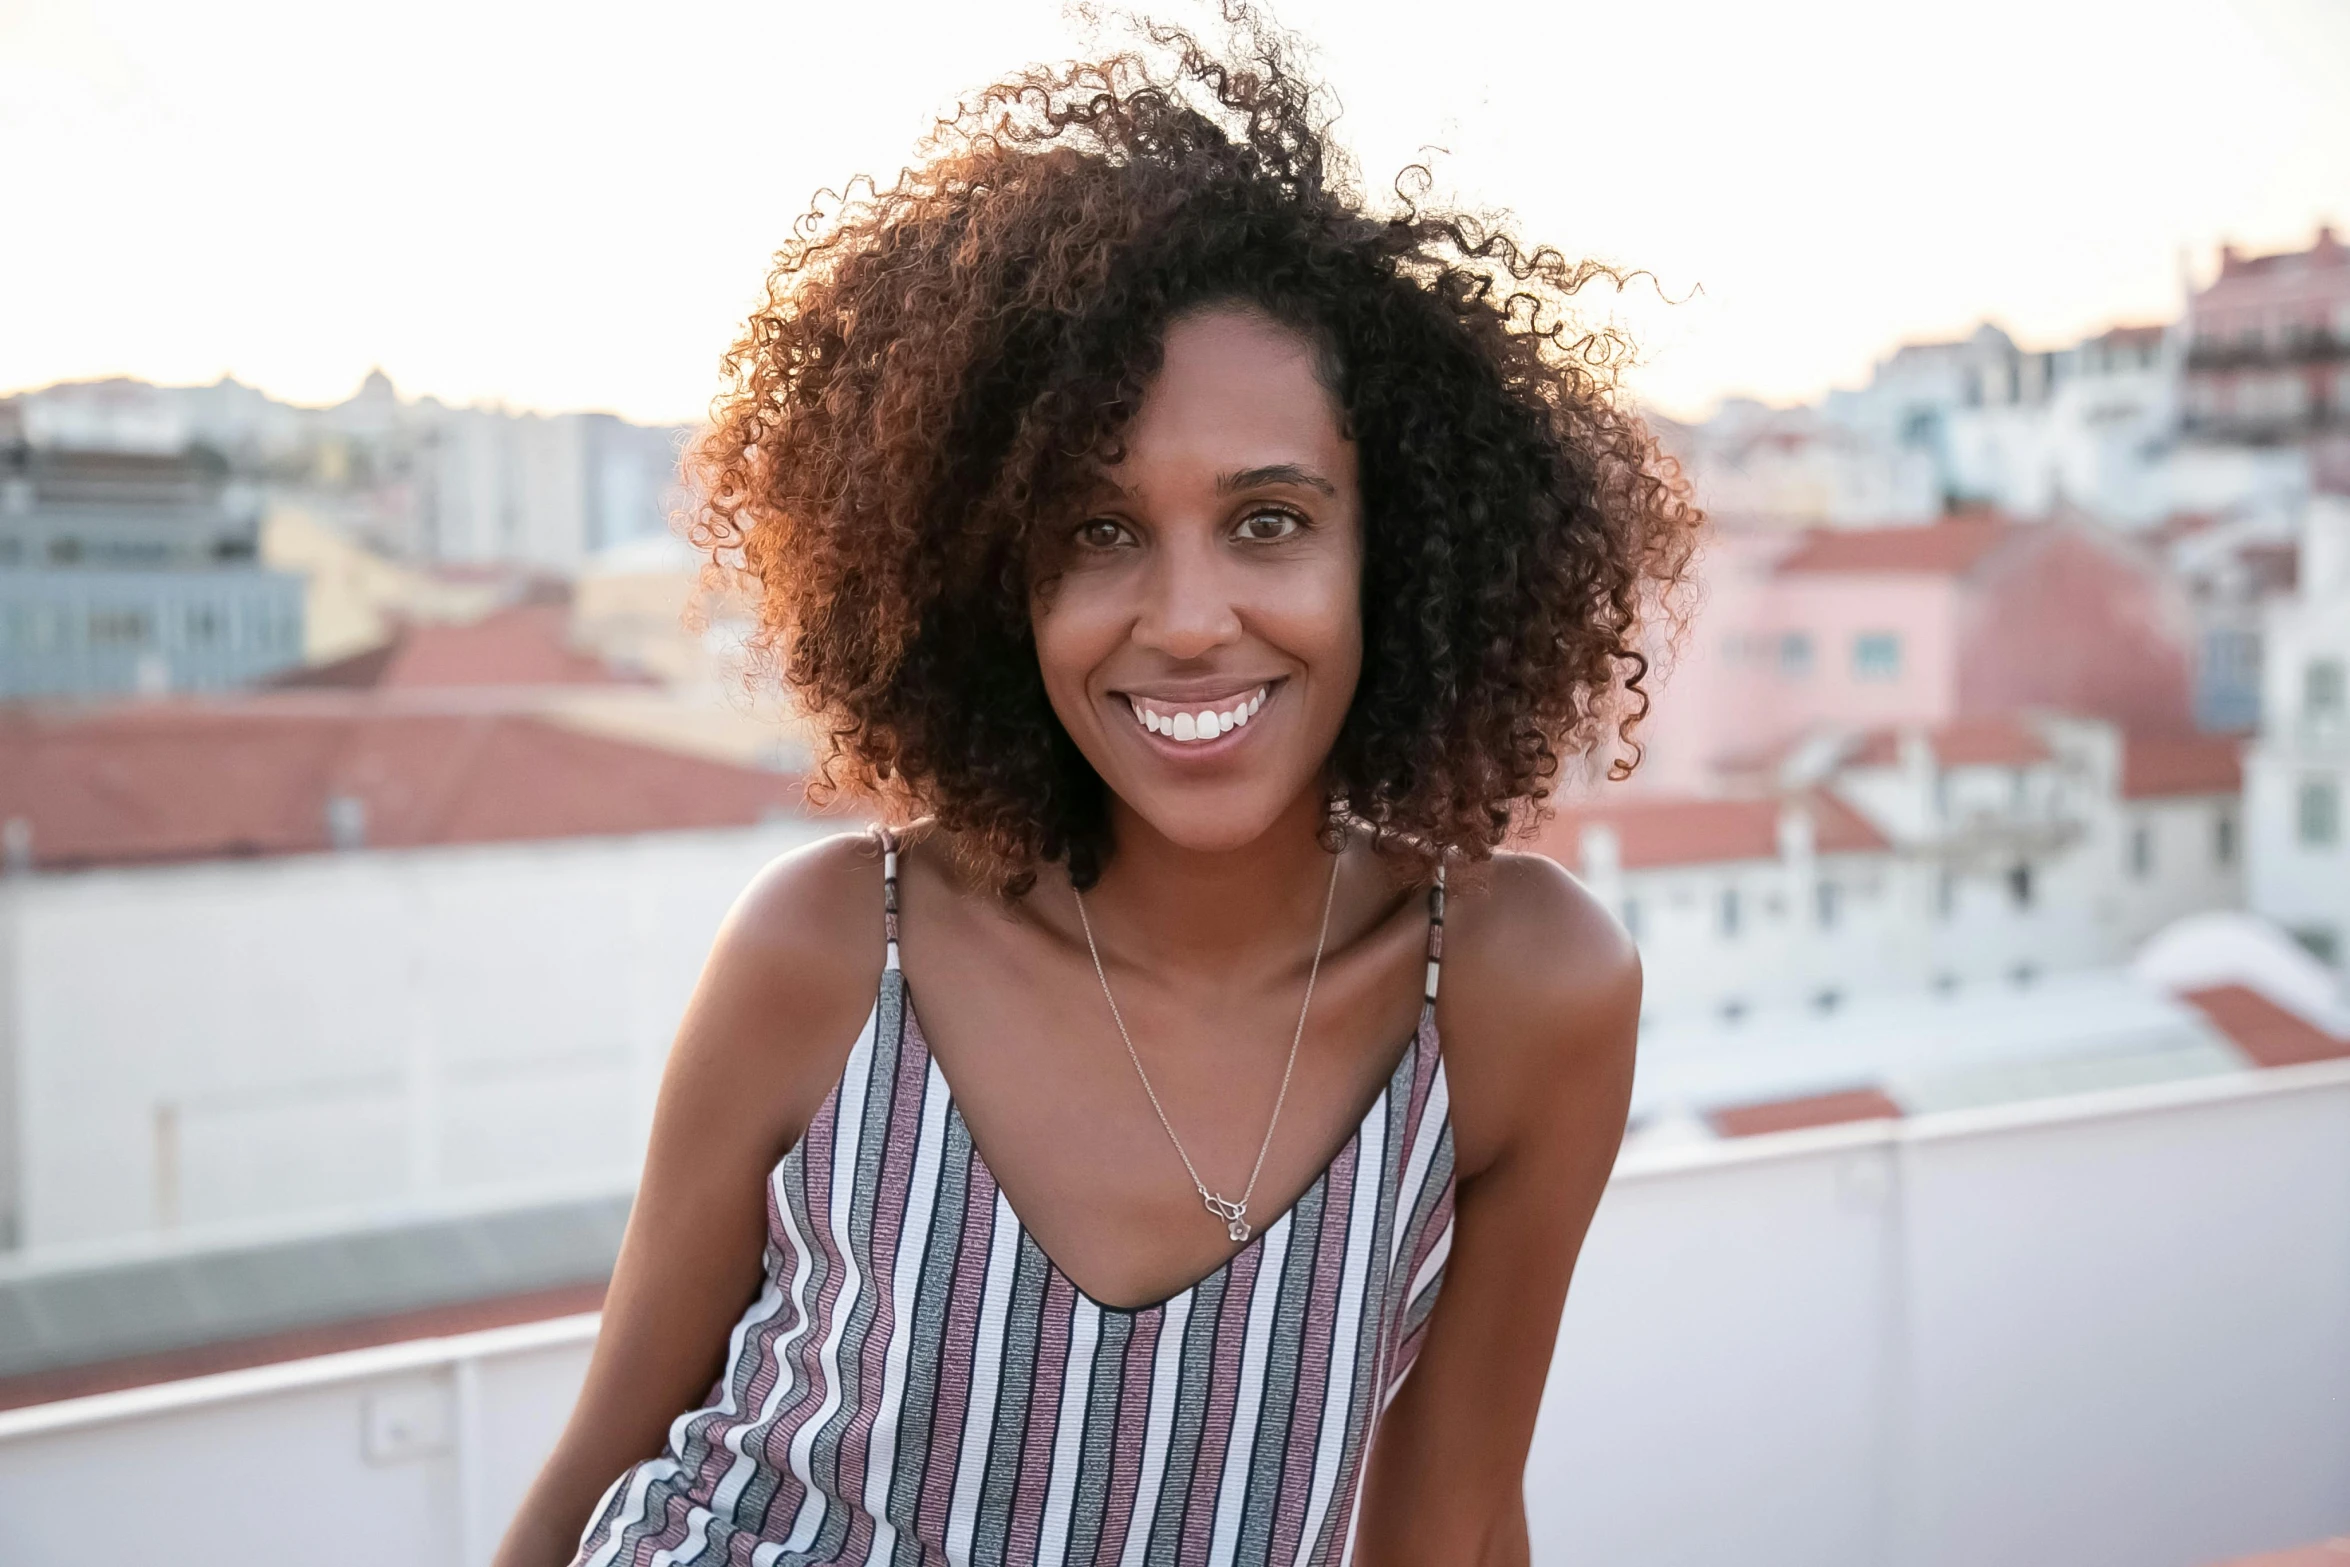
[[1202, 572]]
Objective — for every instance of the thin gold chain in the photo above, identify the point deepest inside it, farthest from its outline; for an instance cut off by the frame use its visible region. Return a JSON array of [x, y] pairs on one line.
[[1234, 1214]]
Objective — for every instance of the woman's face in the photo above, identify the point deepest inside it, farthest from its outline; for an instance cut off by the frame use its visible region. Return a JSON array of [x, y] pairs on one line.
[[1202, 639]]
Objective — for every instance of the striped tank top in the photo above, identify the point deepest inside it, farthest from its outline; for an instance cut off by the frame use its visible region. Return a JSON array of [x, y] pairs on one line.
[[918, 1383]]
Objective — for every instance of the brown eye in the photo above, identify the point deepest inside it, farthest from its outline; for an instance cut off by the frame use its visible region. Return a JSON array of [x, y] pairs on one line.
[[1100, 533], [1269, 526]]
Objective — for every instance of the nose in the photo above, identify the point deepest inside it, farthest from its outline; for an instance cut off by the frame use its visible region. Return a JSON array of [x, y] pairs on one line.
[[1188, 608]]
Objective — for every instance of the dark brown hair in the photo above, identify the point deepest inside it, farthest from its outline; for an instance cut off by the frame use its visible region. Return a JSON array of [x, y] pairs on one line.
[[939, 363]]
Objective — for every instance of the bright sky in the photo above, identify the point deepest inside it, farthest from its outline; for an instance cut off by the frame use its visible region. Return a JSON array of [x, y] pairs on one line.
[[571, 205]]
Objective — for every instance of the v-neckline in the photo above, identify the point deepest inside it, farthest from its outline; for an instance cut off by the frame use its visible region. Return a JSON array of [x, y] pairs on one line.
[[910, 1036]]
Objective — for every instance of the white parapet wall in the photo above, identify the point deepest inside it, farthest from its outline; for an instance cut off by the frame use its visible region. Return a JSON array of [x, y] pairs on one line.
[[2109, 1331], [185, 1048]]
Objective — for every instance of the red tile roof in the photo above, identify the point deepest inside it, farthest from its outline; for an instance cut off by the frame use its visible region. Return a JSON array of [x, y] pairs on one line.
[[1999, 741], [2154, 766], [1789, 1115], [334, 1338], [1948, 548], [521, 645], [1654, 831], [2267, 1033], [201, 780], [2325, 1553]]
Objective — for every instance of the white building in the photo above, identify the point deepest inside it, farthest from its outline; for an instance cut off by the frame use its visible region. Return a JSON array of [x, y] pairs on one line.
[[297, 959], [2297, 785], [1983, 853]]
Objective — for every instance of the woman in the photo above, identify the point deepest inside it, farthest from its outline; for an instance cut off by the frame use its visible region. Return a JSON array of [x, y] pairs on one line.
[[1213, 572]]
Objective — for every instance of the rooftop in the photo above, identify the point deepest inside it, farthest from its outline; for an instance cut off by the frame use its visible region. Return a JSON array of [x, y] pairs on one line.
[[522, 645], [2003, 740], [1952, 546], [1657, 831], [301, 773], [2156, 766]]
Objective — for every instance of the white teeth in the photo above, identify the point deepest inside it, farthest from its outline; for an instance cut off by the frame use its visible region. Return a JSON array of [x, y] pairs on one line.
[[1205, 724]]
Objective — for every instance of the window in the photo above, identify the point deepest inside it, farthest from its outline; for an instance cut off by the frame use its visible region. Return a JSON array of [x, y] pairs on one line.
[[2321, 689], [1876, 655], [1827, 897], [2223, 838], [2019, 886], [2141, 851], [118, 627], [1795, 654], [1729, 911], [2319, 819]]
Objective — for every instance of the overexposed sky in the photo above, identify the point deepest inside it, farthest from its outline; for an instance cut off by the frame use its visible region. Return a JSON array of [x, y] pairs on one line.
[[571, 206]]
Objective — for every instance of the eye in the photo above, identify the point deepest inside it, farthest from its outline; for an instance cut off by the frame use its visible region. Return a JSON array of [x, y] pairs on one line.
[[1268, 525], [1103, 533]]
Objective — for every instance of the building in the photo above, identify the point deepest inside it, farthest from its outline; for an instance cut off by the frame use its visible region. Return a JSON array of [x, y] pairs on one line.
[[2268, 357], [1972, 616], [2297, 789], [316, 953], [134, 570], [1981, 854]]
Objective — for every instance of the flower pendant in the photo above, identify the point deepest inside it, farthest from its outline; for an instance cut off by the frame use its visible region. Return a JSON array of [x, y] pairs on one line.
[[1234, 1214]]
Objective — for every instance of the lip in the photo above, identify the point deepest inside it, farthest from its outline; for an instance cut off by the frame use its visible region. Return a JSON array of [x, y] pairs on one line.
[[1195, 694]]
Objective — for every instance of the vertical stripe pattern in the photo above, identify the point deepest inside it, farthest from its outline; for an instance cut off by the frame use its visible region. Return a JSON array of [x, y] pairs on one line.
[[918, 1383]]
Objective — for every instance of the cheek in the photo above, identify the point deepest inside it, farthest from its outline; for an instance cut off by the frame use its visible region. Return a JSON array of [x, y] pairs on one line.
[[1073, 634]]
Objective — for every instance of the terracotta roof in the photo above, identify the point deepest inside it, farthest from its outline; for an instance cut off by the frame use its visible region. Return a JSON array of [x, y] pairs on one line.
[[190, 780], [521, 645], [2154, 766], [1654, 831], [2003, 740], [1948, 548], [2267, 1033], [2325, 1553], [1789, 1115], [334, 1338]]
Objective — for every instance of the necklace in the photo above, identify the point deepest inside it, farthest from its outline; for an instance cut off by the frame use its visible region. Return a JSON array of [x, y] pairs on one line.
[[1233, 1212]]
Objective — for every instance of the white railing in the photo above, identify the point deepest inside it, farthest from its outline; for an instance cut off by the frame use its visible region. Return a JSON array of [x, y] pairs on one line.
[[2111, 1331]]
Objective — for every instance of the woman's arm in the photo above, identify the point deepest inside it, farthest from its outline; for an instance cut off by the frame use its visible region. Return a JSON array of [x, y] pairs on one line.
[[779, 1005], [1539, 1010]]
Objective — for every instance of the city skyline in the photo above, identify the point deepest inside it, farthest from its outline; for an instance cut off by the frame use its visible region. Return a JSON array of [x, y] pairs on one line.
[[498, 212]]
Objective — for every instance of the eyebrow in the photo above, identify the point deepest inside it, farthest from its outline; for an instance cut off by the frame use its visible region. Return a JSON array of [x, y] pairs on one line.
[[1275, 473]]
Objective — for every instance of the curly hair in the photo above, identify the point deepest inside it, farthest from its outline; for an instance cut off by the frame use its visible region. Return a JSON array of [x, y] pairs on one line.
[[909, 419]]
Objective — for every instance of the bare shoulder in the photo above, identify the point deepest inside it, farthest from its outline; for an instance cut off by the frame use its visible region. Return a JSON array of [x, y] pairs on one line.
[[788, 984], [1540, 1003], [818, 907]]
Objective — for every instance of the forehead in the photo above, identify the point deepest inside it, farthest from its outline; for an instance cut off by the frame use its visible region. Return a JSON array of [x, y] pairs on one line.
[[1236, 389]]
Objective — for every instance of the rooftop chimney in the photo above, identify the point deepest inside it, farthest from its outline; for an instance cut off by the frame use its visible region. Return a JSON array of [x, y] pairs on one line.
[[346, 821]]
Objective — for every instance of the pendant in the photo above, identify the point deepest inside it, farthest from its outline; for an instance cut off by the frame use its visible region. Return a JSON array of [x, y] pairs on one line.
[[1234, 1214]]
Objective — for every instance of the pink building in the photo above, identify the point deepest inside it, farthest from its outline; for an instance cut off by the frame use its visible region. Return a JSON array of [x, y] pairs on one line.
[[1916, 626], [2269, 344]]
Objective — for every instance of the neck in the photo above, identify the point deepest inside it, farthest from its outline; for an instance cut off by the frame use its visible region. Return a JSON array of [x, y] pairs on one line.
[[1200, 910]]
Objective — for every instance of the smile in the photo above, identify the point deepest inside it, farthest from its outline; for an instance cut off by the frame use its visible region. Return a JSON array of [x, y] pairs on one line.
[[1193, 724]]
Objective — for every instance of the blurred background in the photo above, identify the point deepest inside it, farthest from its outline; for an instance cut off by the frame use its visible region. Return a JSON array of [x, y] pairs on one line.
[[375, 767]]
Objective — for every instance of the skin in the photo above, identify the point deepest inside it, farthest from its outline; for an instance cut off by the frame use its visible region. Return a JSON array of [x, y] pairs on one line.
[[1223, 554]]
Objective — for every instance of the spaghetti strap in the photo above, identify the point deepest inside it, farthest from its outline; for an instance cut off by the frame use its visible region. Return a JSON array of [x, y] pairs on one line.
[[1435, 937], [889, 897]]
